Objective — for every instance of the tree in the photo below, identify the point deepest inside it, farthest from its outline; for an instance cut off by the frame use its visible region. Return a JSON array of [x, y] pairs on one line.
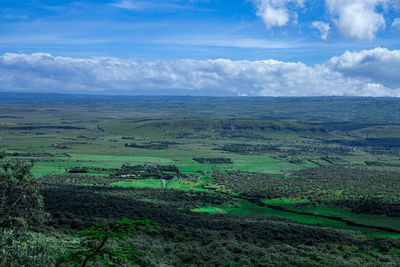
[[97, 244], [20, 200]]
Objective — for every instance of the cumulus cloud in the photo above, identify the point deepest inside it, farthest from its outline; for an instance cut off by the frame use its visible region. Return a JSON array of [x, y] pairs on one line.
[[379, 65], [364, 73], [275, 13], [396, 24], [353, 19], [323, 28], [357, 19]]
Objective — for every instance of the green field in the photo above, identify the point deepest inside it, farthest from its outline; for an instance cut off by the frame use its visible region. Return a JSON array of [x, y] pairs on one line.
[[246, 208], [186, 164], [365, 219]]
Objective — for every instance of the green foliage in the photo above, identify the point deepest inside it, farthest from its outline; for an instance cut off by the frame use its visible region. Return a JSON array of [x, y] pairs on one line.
[[248, 148], [20, 200], [358, 189], [96, 243], [148, 171], [219, 160], [26, 248], [79, 179], [152, 145]]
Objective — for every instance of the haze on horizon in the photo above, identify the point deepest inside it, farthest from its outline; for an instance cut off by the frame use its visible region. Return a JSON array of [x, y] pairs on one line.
[[201, 47]]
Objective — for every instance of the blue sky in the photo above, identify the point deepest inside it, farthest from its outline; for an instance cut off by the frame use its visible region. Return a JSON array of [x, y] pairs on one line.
[[160, 35]]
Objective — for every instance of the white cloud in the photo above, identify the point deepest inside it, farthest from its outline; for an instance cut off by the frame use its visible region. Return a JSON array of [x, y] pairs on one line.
[[275, 13], [396, 24], [379, 65], [357, 19], [354, 19], [323, 28], [364, 73]]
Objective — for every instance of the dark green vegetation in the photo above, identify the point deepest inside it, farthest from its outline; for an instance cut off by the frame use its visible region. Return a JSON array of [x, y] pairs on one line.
[[95, 245], [213, 160], [20, 200], [355, 189], [227, 181]]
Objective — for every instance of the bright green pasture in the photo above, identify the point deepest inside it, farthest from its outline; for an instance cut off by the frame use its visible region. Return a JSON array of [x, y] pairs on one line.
[[183, 161], [307, 164], [365, 219], [40, 170], [179, 184], [211, 210], [189, 166], [247, 208], [97, 161], [61, 167], [240, 162]]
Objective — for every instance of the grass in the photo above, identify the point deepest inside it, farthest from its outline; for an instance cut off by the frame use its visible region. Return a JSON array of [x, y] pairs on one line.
[[246, 208], [39, 170], [210, 210], [179, 158], [365, 219]]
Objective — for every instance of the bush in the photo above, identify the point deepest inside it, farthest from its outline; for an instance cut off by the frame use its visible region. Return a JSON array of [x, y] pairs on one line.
[[22, 248], [95, 244], [20, 200]]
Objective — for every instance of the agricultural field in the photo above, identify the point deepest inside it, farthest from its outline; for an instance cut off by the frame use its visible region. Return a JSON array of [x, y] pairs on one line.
[[265, 176]]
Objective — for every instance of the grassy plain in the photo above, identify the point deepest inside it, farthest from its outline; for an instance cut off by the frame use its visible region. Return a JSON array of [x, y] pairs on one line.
[[280, 140]]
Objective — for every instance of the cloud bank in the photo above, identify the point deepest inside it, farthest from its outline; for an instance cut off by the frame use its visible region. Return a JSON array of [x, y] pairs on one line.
[[362, 73], [379, 65]]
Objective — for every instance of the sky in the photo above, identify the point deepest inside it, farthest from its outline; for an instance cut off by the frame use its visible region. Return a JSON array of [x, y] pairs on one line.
[[201, 47]]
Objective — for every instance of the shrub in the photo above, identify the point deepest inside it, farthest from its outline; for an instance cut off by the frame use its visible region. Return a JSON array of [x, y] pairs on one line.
[[20, 200], [96, 244]]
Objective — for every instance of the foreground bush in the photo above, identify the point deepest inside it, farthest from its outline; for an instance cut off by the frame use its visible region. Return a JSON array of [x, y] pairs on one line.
[[24, 248], [20, 201], [101, 244]]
